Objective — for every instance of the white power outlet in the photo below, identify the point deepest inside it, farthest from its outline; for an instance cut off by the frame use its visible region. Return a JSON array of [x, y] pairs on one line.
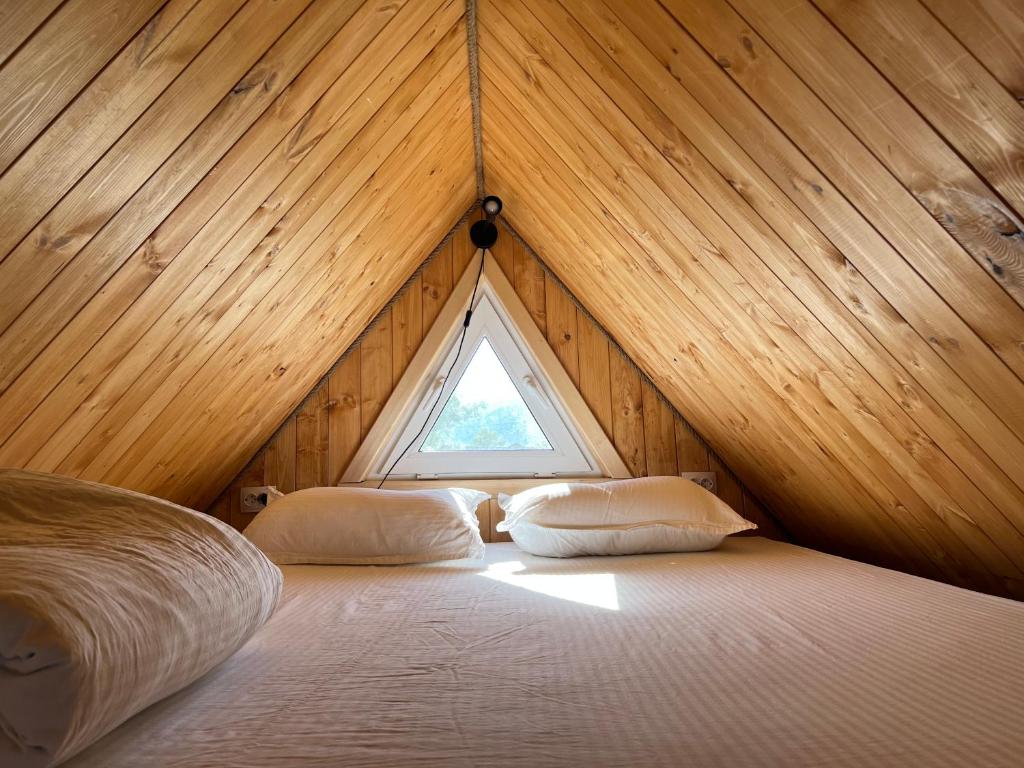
[[256, 497], [706, 480]]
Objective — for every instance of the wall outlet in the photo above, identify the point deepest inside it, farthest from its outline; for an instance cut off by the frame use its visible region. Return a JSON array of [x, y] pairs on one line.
[[256, 497], [706, 480]]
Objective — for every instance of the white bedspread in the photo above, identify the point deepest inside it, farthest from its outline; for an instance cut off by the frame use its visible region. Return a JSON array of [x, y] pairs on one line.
[[757, 654]]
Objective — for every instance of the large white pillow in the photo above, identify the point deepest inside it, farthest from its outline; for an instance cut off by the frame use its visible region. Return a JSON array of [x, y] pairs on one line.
[[619, 517], [110, 601], [365, 526]]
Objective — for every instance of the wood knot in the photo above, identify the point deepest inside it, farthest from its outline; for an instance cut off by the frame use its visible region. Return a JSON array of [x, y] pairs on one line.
[[947, 344], [44, 242], [151, 256]]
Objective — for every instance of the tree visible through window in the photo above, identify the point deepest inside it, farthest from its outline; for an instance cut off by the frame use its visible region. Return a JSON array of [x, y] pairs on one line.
[[485, 412]]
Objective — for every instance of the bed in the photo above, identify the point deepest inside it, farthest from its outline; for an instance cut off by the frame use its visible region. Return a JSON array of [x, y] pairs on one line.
[[756, 654]]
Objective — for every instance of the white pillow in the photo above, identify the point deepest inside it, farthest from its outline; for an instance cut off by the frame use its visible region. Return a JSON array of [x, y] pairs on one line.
[[619, 517], [364, 526], [110, 601]]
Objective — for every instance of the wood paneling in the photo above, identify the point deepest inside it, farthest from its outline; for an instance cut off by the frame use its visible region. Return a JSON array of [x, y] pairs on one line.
[[650, 432], [192, 191], [802, 220]]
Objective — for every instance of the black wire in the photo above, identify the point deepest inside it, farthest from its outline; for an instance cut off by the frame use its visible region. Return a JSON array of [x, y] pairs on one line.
[[458, 353]]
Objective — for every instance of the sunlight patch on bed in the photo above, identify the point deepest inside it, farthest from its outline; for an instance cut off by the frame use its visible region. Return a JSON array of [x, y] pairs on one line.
[[596, 589]]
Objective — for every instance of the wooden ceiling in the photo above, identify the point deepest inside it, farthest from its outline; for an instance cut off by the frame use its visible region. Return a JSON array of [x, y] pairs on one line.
[[204, 203], [801, 218]]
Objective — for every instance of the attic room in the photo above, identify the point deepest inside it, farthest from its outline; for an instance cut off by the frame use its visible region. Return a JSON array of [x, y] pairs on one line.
[[511, 383]]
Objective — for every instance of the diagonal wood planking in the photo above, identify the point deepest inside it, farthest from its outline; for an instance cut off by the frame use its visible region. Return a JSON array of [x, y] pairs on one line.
[[817, 260], [801, 219], [190, 268]]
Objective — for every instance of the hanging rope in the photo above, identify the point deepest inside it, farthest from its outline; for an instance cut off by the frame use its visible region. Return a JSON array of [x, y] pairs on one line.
[[474, 93]]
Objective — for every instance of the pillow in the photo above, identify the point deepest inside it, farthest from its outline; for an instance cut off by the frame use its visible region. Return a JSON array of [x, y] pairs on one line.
[[364, 526], [620, 517], [109, 602]]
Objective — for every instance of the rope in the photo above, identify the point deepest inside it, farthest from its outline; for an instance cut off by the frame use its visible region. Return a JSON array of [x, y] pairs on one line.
[[474, 93]]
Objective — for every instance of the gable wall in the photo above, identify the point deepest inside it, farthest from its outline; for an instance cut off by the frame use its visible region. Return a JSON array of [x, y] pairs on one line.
[[314, 446]]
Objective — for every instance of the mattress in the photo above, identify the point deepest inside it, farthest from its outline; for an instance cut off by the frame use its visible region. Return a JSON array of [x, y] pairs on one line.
[[756, 654]]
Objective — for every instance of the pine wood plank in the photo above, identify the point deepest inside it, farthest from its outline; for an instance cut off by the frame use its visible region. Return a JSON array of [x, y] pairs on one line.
[[595, 371], [728, 489], [528, 279], [280, 458], [992, 321], [562, 327], [628, 414], [407, 328], [691, 454], [221, 509], [106, 108], [850, 536], [939, 548], [57, 62], [295, 263], [312, 437], [463, 251], [993, 31], [345, 418], [950, 88], [445, 176], [503, 252], [830, 265], [898, 382], [375, 371], [438, 281], [659, 433], [19, 19], [579, 230], [953, 517], [638, 226], [899, 137], [692, 246], [48, 299], [362, 138]]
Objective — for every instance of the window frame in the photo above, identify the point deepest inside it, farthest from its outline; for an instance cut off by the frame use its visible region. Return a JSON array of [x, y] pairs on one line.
[[568, 455], [382, 435]]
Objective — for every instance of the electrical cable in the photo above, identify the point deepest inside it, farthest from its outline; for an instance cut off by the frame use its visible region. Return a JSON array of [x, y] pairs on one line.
[[447, 376]]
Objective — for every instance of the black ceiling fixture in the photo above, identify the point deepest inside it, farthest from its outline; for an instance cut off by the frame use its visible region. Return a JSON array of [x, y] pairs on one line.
[[484, 233]]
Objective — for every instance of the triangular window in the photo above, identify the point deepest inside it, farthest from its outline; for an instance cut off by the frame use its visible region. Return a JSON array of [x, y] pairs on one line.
[[485, 412], [507, 409]]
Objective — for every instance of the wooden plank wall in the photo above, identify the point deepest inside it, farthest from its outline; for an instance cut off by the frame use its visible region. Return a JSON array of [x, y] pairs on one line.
[[202, 203], [803, 219], [314, 446]]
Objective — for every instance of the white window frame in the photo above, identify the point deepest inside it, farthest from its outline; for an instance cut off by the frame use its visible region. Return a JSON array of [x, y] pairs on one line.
[[567, 455], [580, 447]]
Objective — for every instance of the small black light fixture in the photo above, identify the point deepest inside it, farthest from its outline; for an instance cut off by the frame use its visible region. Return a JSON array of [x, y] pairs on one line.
[[484, 233], [491, 205]]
